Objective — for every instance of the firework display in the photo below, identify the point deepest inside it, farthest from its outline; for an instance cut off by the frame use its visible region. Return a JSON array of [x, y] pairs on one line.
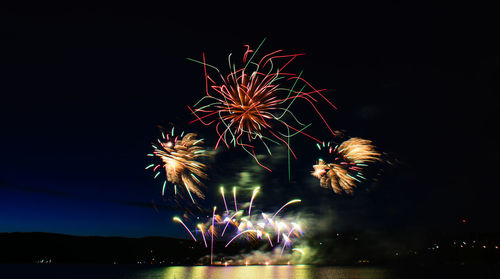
[[233, 225], [179, 157], [256, 100], [349, 159], [255, 103]]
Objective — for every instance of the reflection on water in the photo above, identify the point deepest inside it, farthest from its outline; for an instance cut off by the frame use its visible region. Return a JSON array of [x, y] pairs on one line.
[[94, 271], [264, 272]]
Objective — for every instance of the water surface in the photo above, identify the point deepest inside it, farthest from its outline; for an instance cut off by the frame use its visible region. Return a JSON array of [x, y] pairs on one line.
[[267, 272], [77, 271]]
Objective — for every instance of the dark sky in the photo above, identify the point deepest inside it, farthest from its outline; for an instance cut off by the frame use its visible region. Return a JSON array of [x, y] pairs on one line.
[[83, 91]]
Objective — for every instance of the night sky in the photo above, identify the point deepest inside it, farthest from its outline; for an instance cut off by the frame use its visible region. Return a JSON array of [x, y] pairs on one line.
[[84, 90]]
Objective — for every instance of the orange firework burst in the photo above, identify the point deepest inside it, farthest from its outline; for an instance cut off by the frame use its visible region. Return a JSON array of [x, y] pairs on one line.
[[350, 158], [255, 101], [358, 150], [179, 157]]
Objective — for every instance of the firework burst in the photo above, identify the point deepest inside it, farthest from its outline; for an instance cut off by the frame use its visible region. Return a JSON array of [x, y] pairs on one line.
[[233, 225], [254, 101], [349, 159], [179, 157]]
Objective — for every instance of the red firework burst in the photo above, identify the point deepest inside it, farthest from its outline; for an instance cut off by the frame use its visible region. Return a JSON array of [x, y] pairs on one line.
[[256, 100]]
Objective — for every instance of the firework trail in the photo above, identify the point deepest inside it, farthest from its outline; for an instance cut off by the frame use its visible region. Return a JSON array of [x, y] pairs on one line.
[[229, 220], [184, 225], [285, 205], [179, 156], [299, 250], [255, 191], [234, 195], [286, 241], [232, 226], [200, 226], [212, 239], [349, 159], [224, 198], [236, 236], [270, 241], [255, 100]]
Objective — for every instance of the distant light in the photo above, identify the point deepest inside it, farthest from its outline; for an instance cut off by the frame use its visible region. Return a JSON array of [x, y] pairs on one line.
[[464, 221]]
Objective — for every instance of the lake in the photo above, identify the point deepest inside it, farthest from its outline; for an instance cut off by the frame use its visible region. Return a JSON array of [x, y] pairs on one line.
[[77, 271]]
